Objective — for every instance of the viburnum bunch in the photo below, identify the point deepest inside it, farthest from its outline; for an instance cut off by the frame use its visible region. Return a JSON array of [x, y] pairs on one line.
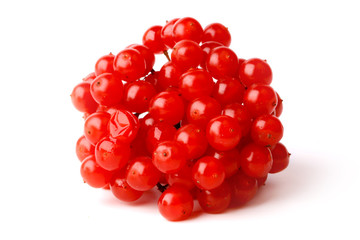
[[204, 127]]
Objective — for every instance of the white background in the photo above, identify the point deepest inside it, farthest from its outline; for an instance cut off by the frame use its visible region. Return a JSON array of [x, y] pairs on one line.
[[47, 47]]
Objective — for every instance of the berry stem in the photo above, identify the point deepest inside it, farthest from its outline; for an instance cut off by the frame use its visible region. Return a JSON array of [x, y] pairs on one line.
[[162, 188], [167, 55]]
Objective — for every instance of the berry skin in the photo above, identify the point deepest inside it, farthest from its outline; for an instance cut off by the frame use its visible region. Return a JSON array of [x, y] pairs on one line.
[[158, 133], [223, 133], [129, 64], [112, 154], [167, 107], [187, 29], [229, 159], [84, 148], [95, 127], [208, 173], [93, 174], [82, 99], [176, 203], [260, 99], [166, 33], [147, 54], [267, 130], [218, 33], [169, 156], [104, 64], [137, 96], [193, 139], [240, 113], [281, 158], [207, 47], [196, 83], [228, 91], [90, 77], [255, 161], [107, 89], [122, 190], [216, 200], [141, 174], [182, 178], [152, 39], [255, 71], [201, 110], [222, 62], [123, 125], [243, 188], [186, 54], [169, 76]]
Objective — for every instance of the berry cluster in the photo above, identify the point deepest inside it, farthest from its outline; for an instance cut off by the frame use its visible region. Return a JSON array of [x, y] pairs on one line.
[[204, 127]]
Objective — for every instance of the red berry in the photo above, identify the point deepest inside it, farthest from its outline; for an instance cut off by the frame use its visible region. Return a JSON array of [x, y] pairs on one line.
[[186, 54], [281, 158], [187, 29], [228, 91], [207, 47], [176, 204], [208, 173], [152, 39], [84, 148], [169, 76], [169, 156], [123, 125], [256, 161], [93, 174], [243, 188], [107, 89], [141, 174], [166, 33], [201, 110], [95, 127], [222, 62], [147, 54], [223, 133], [122, 190], [137, 96], [229, 159], [167, 107], [158, 133], [216, 200], [267, 130], [255, 70], [82, 99], [90, 77], [112, 154], [240, 113], [182, 178], [260, 99], [196, 83], [129, 64], [279, 106], [104, 64], [218, 33]]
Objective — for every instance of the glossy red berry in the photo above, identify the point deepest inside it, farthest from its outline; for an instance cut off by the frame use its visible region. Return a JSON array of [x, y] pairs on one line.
[[158, 133], [201, 110], [169, 156], [260, 99], [186, 54], [195, 83], [223, 133], [93, 174], [207, 47], [129, 64], [147, 54], [187, 28], [166, 33], [82, 99], [240, 113], [84, 148], [152, 39], [228, 91], [267, 130], [229, 159], [243, 188], [90, 77], [218, 33], [255, 70], [176, 203], [167, 107], [141, 174], [216, 200], [112, 154], [107, 89], [281, 158], [105, 64], [95, 127], [193, 139], [137, 96], [256, 161], [168, 76], [208, 173], [122, 190], [222, 62], [182, 178], [123, 125]]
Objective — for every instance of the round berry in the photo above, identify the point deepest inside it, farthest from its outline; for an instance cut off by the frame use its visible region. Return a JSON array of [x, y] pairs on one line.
[[152, 39], [93, 174], [228, 91], [240, 113], [169, 156], [208, 173], [95, 127], [82, 99], [187, 28], [222, 62], [243, 188], [255, 70], [169, 76], [129, 64], [137, 96], [104, 64], [260, 99], [256, 161], [147, 54], [186, 54], [218, 33], [267, 130], [196, 83], [201, 110], [281, 158], [166, 33], [84, 148], [207, 47], [216, 200], [122, 190], [107, 89]]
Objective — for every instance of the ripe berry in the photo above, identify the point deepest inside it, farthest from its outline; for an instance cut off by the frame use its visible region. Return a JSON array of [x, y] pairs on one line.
[[195, 83], [107, 89], [228, 91], [104, 64], [121, 189], [267, 130], [222, 62], [255, 70], [84, 148], [176, 203], [82, 99], [218, 33], [207, 47], [137, 96], [260, 99], [95, 127], [243, 188], [229, 159], [255, 161], [182, 178], [129, 64], [240, 113], [152, 39], [166, 33], [201, 110], [168, 76], [187, 28], [158, 133], [216, 200], [186, 54], [280, 158], [208, 173], [93, 174], [169, 156], [147, 54]]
